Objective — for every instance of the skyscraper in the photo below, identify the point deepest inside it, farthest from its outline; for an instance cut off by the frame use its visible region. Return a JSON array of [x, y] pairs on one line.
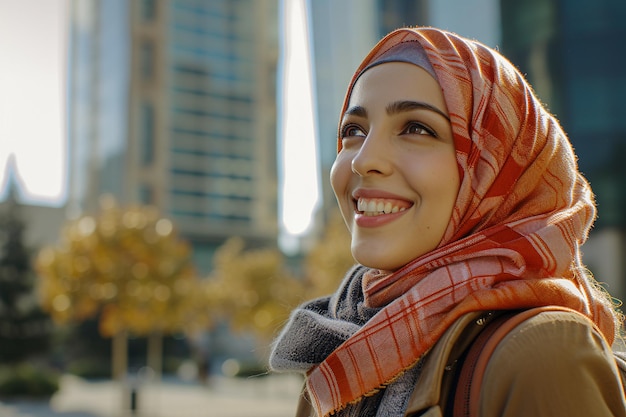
[[200, 135], [98, 77]]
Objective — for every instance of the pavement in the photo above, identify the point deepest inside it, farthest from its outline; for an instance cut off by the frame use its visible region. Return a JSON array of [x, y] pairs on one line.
[[261, 396]]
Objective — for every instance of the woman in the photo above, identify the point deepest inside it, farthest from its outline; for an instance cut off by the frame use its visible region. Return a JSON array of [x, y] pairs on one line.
[[462, 196]]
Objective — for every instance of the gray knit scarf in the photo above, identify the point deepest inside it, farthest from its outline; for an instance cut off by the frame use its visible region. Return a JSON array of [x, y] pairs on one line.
[[318, 327]]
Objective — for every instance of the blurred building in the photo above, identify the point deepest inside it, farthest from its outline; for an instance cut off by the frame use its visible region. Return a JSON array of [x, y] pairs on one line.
[[574, 57], [195, 133], [202, 128], [98, 82]]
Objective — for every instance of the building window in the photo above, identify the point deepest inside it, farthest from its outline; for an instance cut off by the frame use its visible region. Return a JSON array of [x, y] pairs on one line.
[[146, 194], [146, 60], [148, 10], [147, 134]]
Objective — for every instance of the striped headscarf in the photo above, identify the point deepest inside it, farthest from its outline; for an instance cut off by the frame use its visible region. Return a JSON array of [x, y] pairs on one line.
[[513, 241]]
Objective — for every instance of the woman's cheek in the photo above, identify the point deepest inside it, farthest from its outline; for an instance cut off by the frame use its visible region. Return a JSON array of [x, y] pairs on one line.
[[340, 173]]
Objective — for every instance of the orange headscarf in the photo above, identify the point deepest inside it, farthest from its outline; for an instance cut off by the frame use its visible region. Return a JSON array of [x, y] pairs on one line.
[[513, 241]]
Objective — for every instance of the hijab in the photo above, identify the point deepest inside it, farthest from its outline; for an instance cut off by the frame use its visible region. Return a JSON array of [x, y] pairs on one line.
[[513, 241]]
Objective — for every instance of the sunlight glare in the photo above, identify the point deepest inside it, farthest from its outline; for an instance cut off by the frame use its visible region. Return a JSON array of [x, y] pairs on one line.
[[300, 183]]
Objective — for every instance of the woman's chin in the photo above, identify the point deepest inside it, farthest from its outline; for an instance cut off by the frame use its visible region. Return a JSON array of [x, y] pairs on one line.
[[378, 260]]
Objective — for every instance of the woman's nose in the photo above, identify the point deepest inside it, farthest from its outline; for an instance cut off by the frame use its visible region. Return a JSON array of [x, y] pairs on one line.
[[373, 157]]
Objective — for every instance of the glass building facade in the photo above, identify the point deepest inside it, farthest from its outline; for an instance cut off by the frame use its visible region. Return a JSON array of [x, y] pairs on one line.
[[202, 131], [574, 55]]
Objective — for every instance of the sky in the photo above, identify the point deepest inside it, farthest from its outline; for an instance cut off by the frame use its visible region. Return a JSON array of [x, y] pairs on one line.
[[32, 104]]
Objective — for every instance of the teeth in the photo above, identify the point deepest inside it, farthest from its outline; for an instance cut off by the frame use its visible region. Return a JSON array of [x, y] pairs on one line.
[[376, 207]]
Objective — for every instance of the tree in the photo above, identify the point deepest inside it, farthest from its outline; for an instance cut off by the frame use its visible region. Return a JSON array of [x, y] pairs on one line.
[[255, 291], [24, 327], [129, 268], [252, 288]]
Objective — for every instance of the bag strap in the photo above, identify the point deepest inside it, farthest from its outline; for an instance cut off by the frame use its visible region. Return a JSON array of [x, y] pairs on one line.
[[467, 395]]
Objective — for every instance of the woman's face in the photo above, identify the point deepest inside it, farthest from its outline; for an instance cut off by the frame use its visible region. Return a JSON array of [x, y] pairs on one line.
[[396, 177]]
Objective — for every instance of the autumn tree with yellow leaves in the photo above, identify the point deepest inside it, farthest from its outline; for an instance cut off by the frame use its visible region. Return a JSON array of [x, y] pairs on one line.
[[128, 267], [252, 288]]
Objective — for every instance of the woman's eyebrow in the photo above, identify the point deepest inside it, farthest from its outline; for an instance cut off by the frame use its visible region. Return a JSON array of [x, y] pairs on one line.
[[408, 105], [358, 111]]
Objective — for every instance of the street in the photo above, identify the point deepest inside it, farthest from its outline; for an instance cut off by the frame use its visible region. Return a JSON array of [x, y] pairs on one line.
[[262, 396]]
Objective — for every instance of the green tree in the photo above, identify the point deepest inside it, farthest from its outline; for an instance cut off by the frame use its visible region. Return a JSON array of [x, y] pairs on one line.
[[24, 327]]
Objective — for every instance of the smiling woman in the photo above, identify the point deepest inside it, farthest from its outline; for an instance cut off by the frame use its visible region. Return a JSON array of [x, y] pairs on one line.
[[32, 81], [464, 201]]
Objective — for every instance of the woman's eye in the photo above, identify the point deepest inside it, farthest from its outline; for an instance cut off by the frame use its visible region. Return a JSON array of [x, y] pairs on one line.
[[415, 128], [352, 131]]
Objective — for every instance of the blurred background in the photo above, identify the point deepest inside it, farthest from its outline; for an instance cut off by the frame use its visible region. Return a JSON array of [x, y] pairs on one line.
[[164, 194]]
